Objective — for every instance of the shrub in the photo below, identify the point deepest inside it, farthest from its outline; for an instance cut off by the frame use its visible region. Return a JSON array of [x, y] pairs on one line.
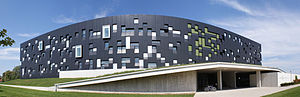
[[287, 84]]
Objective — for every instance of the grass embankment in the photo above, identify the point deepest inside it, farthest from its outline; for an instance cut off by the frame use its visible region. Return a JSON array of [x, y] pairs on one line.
[[19, 92], [293, 92], [42, 82]]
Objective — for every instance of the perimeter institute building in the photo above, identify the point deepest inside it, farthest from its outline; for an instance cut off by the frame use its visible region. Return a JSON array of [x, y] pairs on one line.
[[217, 57]]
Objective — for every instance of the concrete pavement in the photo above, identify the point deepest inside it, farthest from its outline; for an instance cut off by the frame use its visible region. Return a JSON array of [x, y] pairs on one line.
[[245, 92]]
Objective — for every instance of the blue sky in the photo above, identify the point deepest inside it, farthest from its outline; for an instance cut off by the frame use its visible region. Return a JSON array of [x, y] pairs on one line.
[[273, 23]]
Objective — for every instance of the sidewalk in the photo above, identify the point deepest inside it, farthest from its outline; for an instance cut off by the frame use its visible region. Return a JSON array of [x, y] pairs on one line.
[[245, 92]]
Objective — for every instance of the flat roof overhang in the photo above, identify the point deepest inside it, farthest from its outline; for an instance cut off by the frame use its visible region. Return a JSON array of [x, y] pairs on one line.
[[169, 70]]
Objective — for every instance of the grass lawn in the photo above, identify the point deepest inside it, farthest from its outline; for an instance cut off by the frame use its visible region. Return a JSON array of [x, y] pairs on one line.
[[19, 92], [42, 82], [293, 92]]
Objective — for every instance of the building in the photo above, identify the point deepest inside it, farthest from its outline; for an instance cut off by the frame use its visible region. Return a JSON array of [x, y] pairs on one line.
[[133, 42], [195, 55]]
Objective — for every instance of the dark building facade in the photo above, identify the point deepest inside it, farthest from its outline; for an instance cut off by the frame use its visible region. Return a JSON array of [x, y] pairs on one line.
[[133, 41]]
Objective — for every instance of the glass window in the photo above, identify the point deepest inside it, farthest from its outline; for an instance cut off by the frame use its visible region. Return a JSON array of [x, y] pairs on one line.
[[152, 65], [115, 28], [136, 61], [135, 20], [106, 31], [83, 33], [78, 51], [190, 48], [91, 33], [125, 60], [110, 50], [145, 24], [189, 25], [41, 45], [141, 31], [91, 64], [106, 44]]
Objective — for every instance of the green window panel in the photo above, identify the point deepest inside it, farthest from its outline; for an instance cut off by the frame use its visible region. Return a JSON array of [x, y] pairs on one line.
[[212, 38], [196, 43], [218, 36], [196, 27], [193, 31], [216, 53], [200, 54], [209, 41], [190, 48], [206, 31], [200, 48], [199, 31], [209, 55], [189, 33], [189, 25], [197, 52], [212, 50], [218, 47], [203, 33], [212, 45]]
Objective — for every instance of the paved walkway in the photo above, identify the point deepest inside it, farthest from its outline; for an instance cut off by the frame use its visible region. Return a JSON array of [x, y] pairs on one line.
[[245, 92]]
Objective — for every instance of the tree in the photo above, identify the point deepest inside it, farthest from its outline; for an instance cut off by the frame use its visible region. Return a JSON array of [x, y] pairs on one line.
[[6, 41], [11, 75]]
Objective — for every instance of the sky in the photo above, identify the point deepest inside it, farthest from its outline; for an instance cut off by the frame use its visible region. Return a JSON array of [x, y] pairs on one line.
[[273, 23]]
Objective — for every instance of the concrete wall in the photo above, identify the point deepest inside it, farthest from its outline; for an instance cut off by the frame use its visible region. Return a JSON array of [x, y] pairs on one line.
[[269, 79], [274, 79], [89, 73], [229, 79], [176, 82], [252, 78]]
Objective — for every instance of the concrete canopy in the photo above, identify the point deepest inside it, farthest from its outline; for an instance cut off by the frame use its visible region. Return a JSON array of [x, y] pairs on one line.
[[169, 70]]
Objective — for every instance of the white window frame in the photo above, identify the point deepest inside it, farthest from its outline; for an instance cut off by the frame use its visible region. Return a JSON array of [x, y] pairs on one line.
[[103, 31], [76, 51], [115, 27], [41, 45]]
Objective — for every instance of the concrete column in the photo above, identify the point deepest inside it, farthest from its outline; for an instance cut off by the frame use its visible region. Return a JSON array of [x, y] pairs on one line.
[[234, 81], [258, 79], [219, 75]]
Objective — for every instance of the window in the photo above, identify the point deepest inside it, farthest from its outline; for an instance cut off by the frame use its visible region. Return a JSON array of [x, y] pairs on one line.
[[135, 46], [141, 31], [91, 33], [78, 51], [110, 50], [190, 48], [174, 49], [186, 37], [115, 27], [135, 20], [145, 24], [125, 60], [121, 50], [189, 25], [76, 34], [106, 31], [41, 45], [163, 32], [105, 63], [136, 61], [154, 49], [106, 44], [83, 33], [91, 64], [152, 65], [176, 32], [155, 42], [149, 32]]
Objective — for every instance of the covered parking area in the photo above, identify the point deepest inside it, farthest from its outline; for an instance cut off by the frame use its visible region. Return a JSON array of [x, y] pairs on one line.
[[183, 78], [224, 78]]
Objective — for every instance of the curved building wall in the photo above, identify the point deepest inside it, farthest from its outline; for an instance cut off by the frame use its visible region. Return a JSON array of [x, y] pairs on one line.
[[133, 41]]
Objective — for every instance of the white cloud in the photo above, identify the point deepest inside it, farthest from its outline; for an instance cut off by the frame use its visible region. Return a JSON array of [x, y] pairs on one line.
[[9, 54], [276, 29], [102, 14], [28, 34], [61, 19]]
